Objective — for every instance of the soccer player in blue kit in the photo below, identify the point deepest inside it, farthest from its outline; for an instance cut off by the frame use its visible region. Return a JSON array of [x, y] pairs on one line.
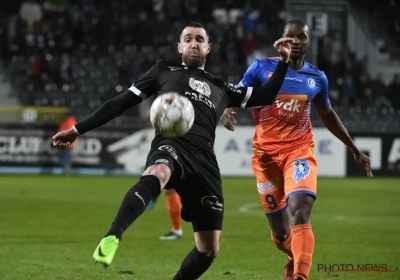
[[283, 161]]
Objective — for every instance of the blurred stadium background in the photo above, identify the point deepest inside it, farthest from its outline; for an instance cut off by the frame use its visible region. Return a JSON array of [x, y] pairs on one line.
[[69, 56]]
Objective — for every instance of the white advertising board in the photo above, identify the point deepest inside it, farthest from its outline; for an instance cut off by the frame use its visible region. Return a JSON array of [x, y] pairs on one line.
[[233, 151]]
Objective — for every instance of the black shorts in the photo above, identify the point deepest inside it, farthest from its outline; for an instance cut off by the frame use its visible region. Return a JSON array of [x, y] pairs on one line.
[[195, 177]]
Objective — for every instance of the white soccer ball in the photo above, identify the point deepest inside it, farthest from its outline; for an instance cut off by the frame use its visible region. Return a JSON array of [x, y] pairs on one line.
[[172, 115]]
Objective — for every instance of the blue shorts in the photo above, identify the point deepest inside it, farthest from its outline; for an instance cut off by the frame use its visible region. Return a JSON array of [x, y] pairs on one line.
[[65, 156]]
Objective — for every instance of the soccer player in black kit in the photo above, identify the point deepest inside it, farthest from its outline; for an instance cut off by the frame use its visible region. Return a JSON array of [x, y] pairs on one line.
[[187, 164]]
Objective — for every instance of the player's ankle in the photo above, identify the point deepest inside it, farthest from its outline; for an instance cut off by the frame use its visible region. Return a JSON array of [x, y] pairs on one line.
[[177, 231]]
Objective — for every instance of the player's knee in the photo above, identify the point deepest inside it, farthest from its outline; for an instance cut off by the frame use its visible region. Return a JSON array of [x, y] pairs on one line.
[[207, 242], [161, 171], [281, 234], [209, 250], [300, 206], [301, 216]]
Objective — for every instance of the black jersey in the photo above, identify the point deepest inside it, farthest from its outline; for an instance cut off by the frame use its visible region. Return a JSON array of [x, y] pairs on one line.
[[209, 95]]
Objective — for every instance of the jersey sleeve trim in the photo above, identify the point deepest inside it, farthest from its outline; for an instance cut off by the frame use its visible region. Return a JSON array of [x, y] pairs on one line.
[[246, 97], [139, 93]]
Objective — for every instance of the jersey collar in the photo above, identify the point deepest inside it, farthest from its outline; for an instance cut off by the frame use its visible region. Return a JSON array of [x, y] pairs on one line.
[[201, 68]]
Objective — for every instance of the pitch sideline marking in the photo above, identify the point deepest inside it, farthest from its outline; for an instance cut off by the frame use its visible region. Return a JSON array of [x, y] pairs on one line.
[[248, 207]]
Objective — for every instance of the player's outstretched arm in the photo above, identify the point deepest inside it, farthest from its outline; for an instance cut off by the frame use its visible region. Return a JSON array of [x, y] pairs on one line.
[[266, 94], [333, 123], [107, 111]]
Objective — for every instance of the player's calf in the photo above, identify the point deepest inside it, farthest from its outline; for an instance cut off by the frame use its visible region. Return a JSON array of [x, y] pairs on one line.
[[201, 257], [300, 206], [138, 197]]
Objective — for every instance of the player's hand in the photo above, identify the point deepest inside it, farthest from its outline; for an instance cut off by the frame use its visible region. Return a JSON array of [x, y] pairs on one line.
[[364, 161], [228, 118], [64, 139], [284, 49]]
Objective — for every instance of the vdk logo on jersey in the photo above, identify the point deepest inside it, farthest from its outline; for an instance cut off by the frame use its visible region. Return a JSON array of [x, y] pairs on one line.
[[200, 86], [301, 170]]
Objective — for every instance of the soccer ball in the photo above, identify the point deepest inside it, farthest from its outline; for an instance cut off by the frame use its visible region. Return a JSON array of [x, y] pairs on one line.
[[172, 115]]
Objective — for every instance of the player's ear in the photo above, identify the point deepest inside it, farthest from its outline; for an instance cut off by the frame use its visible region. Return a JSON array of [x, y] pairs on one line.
[[209, 48], [309, 41], [179, 48]]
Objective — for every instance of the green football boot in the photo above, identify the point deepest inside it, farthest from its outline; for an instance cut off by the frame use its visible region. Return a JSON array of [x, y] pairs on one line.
[[106, 250]]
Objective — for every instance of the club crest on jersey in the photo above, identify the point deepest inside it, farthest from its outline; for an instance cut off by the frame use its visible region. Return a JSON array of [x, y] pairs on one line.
[[301, 170], [311, 82], [200, 86]]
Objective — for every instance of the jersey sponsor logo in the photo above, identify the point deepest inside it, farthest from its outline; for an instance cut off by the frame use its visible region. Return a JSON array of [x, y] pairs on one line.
[[200, 86], [301, 170], [289, 107], [311, 82], [165, 161], [169, 149], [288, 78], [267, 187], [201, 98], [211, 202]]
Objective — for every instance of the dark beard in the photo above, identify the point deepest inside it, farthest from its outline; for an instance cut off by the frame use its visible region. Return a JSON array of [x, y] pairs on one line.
[[193, 61]]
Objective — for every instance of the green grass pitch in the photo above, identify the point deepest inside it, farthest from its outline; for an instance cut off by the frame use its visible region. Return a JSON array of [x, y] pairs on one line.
[[50, 226]]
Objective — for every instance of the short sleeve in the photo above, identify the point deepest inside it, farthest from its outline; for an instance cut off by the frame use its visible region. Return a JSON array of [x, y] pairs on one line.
[[250, 77], [147, 85], [322, 98]]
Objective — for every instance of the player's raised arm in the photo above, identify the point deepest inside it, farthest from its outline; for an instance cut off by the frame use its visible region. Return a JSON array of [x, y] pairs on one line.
[[266, 95], [111, 109]]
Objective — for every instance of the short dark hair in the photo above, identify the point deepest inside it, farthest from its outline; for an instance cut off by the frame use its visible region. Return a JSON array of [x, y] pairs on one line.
[[299, 22], [195, 25]]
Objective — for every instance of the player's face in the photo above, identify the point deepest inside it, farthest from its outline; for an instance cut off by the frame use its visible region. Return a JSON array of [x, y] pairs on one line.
[[301, 39], [194, 46]]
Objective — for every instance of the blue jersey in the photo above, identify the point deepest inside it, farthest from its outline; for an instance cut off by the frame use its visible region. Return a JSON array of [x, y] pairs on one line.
[[282, 125]]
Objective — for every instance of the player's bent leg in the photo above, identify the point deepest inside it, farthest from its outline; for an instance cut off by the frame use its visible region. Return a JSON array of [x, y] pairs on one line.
[[174, 206], [133, 205], [282, 238]]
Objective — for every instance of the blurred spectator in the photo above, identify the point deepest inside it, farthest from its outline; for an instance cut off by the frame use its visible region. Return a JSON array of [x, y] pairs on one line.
[[143, 31], [337, 55], [11, 42], [249, 44], [364, 82], [124, 36], [64, 72], [75, 25], [380, 91], [394, 91], [250, 18], [161, 28], [65, 156], [42, 69], [349, 91]]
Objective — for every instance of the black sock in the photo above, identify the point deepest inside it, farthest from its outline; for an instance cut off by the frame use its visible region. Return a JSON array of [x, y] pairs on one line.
[[134, 204], [193, 266]]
